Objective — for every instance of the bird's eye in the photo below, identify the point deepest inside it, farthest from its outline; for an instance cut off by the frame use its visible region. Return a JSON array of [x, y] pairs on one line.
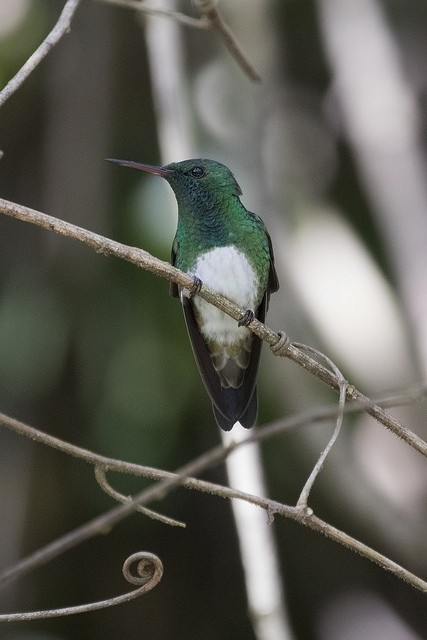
[[197, 172]]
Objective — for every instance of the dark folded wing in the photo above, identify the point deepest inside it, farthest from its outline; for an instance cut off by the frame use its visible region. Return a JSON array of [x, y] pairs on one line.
[[232, 404]]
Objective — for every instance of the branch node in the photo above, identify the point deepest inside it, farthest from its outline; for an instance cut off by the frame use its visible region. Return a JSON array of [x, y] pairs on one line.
[[270, 515], [101, 478], [305, 512], [280, 348]]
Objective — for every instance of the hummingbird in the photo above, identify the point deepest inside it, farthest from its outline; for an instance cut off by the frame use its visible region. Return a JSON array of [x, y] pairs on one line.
[[227, 248]]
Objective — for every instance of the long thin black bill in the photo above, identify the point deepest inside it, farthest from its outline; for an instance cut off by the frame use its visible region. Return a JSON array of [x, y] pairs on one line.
[[149, 168]]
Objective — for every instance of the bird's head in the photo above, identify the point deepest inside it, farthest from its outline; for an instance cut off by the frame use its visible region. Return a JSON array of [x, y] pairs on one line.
[[192, 179]]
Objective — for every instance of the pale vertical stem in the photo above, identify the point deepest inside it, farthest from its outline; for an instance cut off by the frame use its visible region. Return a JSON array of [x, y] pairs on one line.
[[258, 551], [381, 120], [169, 80], [256, 540]]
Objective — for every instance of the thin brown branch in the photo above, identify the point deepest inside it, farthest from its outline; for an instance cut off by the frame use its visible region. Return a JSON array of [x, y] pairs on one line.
[[316, 524], [169, 481], [210, 19], [281, 347], [101, 478], [303, 499], [149, 569], [61, 27], [214, 20], [107, 520]]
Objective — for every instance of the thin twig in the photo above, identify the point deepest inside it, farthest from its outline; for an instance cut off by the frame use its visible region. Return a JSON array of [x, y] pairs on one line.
[[101, 478], [285, 348], [61, 27], [110, 518], [311, 416], [303, 499], [170, 481], [213, 19], [163, 269], [210, 19], [149, 569], [316, 524]]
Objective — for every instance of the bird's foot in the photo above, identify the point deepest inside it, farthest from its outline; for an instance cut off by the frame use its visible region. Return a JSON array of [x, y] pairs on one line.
[[246, 318], [197, 285]]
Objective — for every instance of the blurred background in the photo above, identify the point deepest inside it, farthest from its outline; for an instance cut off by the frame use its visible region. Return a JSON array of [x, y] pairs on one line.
[[330, 149]]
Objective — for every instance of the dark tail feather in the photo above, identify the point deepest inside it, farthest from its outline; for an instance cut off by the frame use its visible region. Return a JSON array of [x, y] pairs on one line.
[[225, 423], [247, 419]]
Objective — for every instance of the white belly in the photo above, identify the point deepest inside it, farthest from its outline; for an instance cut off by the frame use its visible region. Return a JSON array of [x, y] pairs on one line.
[[226, 271]]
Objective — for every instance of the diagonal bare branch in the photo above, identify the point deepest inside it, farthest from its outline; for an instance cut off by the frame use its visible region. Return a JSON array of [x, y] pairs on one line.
[[101, 478], [213, 19], [281, 347], [210, 19], [61, 27], [168, 482]]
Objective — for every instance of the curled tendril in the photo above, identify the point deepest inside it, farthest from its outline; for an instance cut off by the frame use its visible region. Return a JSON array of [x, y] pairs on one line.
[[149, 572], [148, 568], [280, 347]]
